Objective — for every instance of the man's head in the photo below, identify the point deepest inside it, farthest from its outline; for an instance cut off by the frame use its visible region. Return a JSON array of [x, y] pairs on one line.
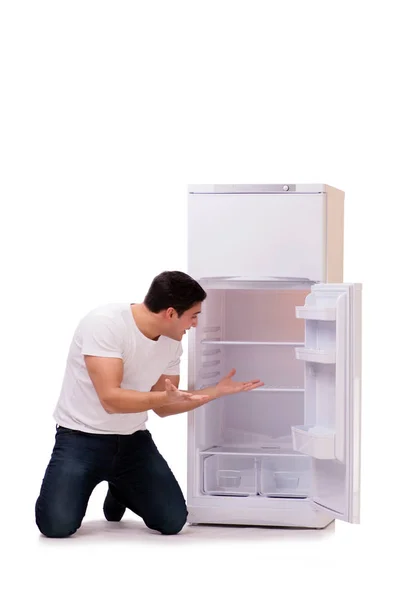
[[177, 297]]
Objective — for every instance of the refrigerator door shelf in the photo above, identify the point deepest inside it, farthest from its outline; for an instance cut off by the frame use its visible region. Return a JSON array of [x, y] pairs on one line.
[[317, 314], [315, 441], [316, 355]]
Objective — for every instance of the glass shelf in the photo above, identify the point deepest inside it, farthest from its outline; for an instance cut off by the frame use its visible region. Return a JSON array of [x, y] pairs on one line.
[[253, 451], [247, 343], [277, 389], [263, 389]]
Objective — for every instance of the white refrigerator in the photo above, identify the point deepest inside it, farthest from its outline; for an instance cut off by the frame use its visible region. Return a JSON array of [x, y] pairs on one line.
[[270, 258]]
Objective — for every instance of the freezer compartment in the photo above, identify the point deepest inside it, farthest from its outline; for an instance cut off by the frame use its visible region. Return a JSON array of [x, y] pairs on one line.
[[230, 475], [285, 476], [281, 234], [314, 440]]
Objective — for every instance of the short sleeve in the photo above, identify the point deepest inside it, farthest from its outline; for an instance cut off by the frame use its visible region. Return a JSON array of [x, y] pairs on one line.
[[173, 366], [99, 337]]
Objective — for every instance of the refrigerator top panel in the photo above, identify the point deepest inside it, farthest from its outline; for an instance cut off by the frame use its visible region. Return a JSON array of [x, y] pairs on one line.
[[261, 188]]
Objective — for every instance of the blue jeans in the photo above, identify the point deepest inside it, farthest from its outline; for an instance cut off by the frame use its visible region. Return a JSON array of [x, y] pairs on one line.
[[138, 477]]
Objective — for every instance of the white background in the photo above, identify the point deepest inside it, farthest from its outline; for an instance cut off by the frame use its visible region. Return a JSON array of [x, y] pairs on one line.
[[108, 111]]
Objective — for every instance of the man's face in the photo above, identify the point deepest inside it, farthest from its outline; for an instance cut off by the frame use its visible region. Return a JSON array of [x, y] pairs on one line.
[[179, 325]]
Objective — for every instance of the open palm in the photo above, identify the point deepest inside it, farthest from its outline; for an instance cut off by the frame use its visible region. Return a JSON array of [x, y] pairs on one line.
[[227, 386]]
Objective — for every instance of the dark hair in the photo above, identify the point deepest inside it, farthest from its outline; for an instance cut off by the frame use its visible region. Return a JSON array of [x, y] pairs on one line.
[[173, 289]]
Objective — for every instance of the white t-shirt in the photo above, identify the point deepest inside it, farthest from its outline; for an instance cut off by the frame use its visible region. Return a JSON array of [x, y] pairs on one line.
[[111, 331]]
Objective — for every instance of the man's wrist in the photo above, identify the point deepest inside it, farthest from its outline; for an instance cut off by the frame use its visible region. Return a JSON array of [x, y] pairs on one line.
[[216, 394], [158, 399]]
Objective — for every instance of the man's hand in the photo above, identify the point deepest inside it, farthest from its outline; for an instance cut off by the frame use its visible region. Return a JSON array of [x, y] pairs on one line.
[[175, 395], [226, 386]]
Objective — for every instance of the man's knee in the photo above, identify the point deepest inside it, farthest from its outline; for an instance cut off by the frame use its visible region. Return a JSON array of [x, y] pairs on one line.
[[173, 526], [170, 523], [55, 524]]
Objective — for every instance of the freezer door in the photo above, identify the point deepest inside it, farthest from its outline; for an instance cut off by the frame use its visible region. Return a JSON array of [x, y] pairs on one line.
[[254, 235], [331, 434]]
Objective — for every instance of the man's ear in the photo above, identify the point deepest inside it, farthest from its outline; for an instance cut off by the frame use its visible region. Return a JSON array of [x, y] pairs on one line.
[[170, 312]]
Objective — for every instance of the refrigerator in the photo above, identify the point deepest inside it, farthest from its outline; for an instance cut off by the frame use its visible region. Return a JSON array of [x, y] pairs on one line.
[[287, 454]]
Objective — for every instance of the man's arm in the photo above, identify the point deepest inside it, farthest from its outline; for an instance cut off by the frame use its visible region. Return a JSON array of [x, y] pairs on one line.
[[225, 387], [106, 375]]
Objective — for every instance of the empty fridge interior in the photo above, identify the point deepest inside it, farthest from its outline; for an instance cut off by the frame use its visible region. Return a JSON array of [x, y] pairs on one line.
[[244, 440]]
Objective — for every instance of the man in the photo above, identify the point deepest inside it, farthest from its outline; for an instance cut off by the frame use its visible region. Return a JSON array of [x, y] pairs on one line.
[[124, 361]]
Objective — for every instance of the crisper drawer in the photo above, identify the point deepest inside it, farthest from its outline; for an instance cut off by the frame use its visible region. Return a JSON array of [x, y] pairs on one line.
[[230, 475], [285, 476]]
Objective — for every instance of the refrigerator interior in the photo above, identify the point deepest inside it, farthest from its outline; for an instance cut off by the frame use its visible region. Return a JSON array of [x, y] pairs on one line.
[[244, 441]]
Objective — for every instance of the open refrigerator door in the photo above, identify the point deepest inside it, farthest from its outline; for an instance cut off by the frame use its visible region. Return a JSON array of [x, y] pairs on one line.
[[331, 433]]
